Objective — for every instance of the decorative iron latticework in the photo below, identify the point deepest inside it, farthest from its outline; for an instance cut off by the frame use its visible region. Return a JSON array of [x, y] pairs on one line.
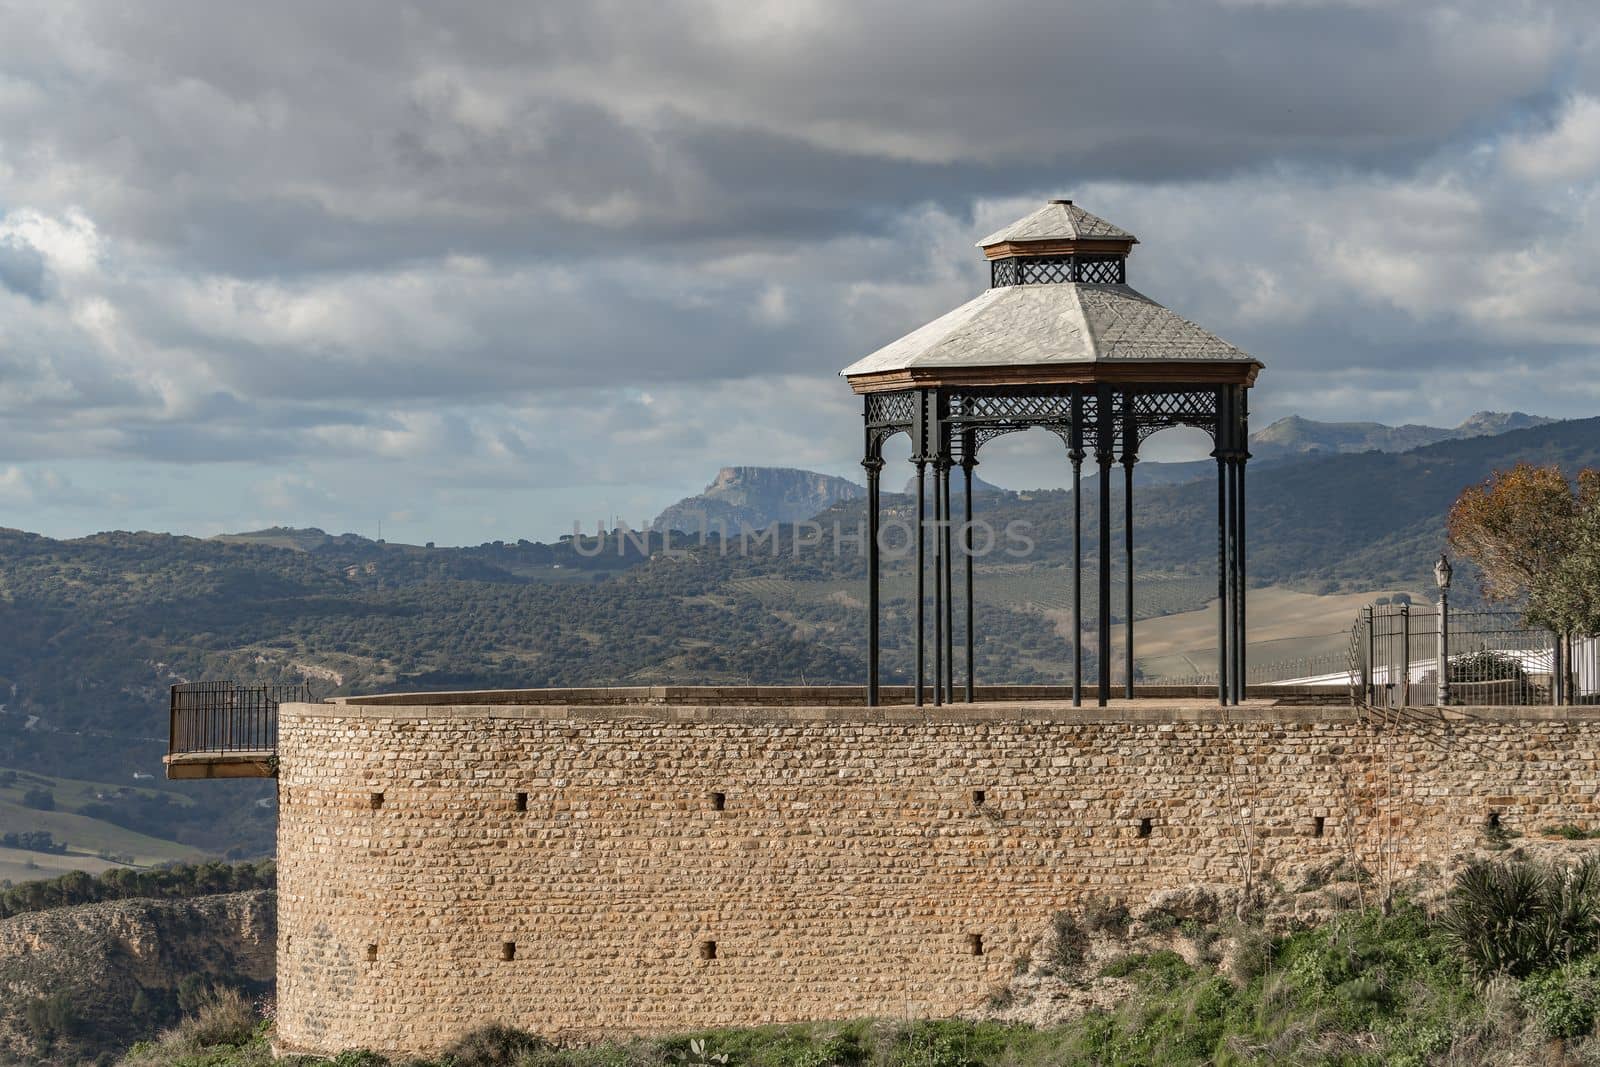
[[1058, 270]]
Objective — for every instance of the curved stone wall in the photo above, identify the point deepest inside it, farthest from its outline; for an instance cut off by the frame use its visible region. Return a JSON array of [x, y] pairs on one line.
[[580, 870]]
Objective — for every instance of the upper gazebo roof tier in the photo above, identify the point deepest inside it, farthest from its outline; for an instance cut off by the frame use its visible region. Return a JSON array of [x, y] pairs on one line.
[[1059, 226], [1059, 312]]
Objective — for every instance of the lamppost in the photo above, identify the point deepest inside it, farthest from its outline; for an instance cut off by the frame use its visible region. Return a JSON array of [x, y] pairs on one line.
[[1441, 577]]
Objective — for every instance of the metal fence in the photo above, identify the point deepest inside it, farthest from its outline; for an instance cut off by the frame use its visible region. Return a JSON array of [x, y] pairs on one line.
[[1491, 657], [1329, 669], [225, 717]]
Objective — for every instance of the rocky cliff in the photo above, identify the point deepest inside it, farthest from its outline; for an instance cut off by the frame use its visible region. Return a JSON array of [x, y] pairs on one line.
[[753, 498], [118, 971]]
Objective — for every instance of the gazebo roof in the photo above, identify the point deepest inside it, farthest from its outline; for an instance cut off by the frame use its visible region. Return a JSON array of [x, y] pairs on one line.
[[1062, 326], [1030, 327], [1059, 220]]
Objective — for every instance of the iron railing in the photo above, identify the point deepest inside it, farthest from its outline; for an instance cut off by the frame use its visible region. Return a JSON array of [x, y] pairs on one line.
[[225, 717], [1323, 669], [1491, 657]]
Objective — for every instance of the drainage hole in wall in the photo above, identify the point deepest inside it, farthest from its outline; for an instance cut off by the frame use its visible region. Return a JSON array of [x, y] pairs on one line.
[[1317, 825], [975, 944], [719, 801], [708, 950], [1492, 822], [508, 950], [1145, 826], [978, 797], [372, 953], [375, 801], [522, 802]]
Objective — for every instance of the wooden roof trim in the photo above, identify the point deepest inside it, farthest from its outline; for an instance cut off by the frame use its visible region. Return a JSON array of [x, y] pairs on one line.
[[1060, 247], [1187, 372]]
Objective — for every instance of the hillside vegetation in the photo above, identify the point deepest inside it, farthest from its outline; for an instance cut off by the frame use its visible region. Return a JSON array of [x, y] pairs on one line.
[[1505, 970], [98, 627], [83, 982]]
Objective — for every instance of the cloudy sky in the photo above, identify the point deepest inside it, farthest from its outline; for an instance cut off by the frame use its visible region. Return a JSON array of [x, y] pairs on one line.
[[475, 270]]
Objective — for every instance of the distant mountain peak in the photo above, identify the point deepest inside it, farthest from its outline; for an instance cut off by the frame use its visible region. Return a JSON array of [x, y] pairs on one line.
[[1296, 435], [753, 498], [1488, 423]]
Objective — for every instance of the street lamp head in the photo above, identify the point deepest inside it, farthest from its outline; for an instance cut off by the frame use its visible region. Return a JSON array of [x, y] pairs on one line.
[[1441, 573]]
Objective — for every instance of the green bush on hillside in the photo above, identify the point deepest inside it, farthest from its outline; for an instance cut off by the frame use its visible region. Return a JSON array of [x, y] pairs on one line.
[[163, 883], [1362, 990], [1518, 918]]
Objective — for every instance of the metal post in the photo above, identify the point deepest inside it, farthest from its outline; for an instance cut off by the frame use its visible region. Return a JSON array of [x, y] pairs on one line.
[[1130, 448], [1103, 455], [1242, 649], [1233, 581], [1221, 453], [949, 581], [1405, 655], [938, 582], [1372, 660], [1555, 669], [922, 466], [1443, 697], [968, 461], [873, 465], [1076, 453]]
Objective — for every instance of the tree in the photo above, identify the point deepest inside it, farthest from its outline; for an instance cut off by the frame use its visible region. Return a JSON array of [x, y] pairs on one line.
[[1535, 538], [1569, 601]]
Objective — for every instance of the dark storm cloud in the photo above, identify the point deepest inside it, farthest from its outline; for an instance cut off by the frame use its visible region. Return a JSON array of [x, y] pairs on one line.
[[303, 136], [583, 244], [22, 269]]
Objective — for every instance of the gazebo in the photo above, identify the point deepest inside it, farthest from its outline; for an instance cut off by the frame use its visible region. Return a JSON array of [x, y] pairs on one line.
[[1059, 340]]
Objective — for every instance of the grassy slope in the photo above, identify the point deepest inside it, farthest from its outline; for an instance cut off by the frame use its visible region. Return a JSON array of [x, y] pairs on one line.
[[85, 836], [1360, 991]]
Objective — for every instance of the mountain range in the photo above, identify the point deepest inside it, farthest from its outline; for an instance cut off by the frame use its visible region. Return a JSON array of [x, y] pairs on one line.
[[97, 627], [741, 499]]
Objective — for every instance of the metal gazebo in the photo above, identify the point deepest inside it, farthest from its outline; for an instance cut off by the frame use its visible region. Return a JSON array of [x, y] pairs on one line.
[[1058, 341]]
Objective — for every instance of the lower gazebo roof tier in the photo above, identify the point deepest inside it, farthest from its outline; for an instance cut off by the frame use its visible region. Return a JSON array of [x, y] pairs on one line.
[[1069, 332]]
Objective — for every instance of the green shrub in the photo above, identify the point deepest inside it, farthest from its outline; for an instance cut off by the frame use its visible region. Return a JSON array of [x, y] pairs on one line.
[[1253, 950], [1069, 944], [1563, 1001], [817, 1045], [1520, 917], [1103, 915], [1160, 921], [1162, 971], [50, 1018], [222, 1017], [1570, 831], [495, 1045]]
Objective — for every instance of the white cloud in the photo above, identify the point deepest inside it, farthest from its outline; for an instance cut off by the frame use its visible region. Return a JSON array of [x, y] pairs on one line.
[[1567, 151]]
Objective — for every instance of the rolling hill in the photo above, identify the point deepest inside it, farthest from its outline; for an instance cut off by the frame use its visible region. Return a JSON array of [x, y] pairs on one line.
[[97, 628]]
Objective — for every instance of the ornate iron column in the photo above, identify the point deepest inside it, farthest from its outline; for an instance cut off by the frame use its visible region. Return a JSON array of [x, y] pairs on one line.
[[938, 584], [1076, 454], [1222, 438], [1241, 458], [944, 464], [1104, 453], [1130, 456], [874, 465], [920, 459], [969, 460]]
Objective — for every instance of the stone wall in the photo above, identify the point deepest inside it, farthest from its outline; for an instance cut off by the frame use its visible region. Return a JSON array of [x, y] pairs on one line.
[[578, 870]]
